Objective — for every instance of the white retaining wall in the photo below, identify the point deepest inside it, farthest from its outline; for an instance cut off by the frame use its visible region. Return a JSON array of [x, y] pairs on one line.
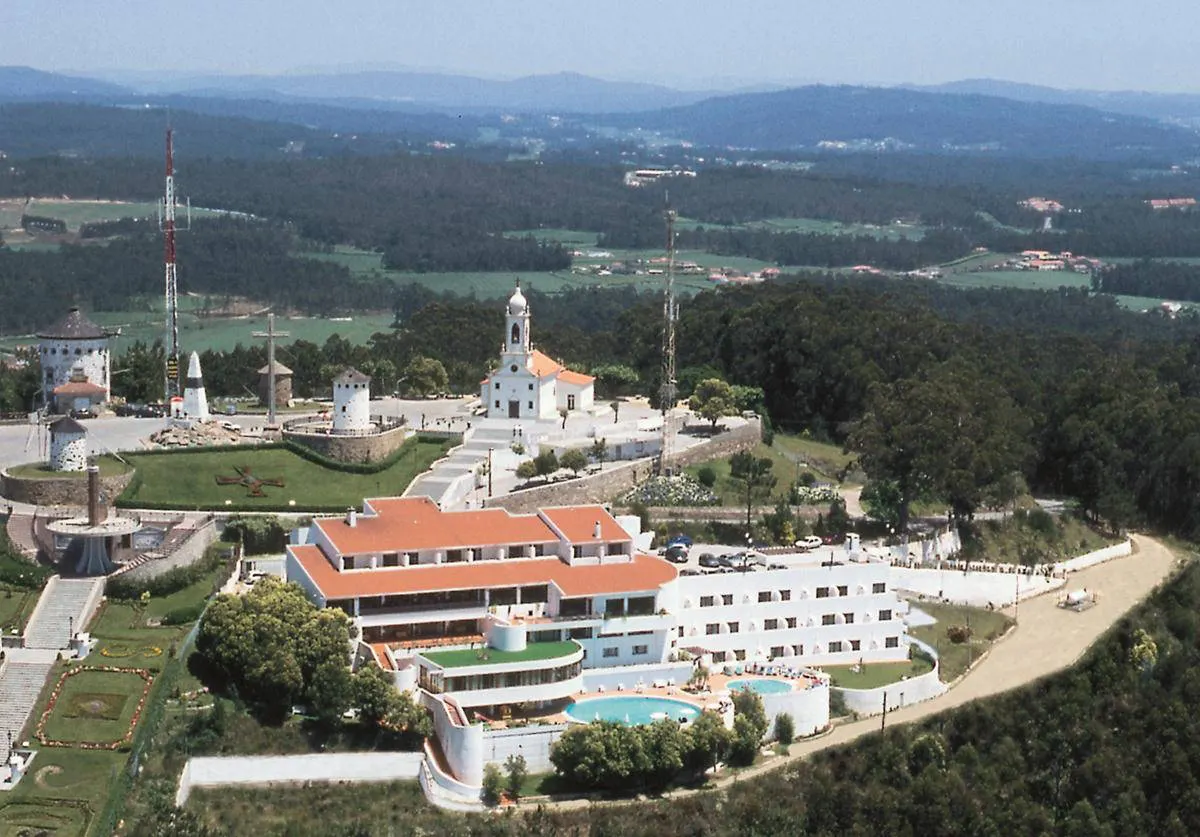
[[1117, 550], [209, 771], [609, 678], [532, 742], [809, 709], [972, 587], [462, 744], [913, 690]]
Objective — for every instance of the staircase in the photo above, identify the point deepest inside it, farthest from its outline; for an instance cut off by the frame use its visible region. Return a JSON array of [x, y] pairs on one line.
[[21, 682], [66, 604]]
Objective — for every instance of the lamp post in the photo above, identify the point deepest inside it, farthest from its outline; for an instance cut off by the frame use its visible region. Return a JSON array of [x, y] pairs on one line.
[[490, 471]]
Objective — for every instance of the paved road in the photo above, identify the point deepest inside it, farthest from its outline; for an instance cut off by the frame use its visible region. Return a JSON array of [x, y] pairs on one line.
[[1047, 639], [19, 443]]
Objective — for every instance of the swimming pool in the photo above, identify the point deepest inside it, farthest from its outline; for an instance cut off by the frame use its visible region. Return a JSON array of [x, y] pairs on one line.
[[631, 710], [761, 685]]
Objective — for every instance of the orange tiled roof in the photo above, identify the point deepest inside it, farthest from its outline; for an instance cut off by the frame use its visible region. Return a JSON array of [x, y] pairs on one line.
[[578, 523], [569, 376], [643, 573], [79, 388], [410, 523], [543, 365]]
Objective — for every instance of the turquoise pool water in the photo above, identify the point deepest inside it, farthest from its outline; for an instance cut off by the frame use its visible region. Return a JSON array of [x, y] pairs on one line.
[[631, 709], [761, 685]]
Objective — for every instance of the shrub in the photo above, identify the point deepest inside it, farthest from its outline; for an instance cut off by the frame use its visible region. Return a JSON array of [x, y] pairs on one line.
[[707, 475], [183, 615], [527, 470], [682, 490], [745, 741], [958, 634], [493, 784], [785, 728], [516, 770]]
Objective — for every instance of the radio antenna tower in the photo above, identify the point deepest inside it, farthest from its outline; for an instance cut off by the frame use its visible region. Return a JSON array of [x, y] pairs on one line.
[[166, 222], [668, 392]]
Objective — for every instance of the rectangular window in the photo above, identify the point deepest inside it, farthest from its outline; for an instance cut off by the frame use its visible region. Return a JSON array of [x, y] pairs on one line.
[[727, 599], [855, 645], [570, 402], [828, 619], [531, 405], [612, 652], [892, 642], [822, 592], [764, 596], [843, 590], [706, 601], [770, 624], [739, 654], [835, 647], [712, 628], [778, 650], [791, 621], [734, 627], [580, 633], [885, 616], [718, 656], [879, 587], [785, 595], [848, 618], [531, 387], [497, 387], [641, 650], [497, 404]]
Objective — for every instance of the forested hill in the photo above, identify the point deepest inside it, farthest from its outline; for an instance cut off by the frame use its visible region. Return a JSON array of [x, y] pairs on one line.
[[807, 116]]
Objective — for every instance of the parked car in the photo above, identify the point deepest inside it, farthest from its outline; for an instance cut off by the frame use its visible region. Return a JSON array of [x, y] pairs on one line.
[[710, 561], [231, 427], [689, 571], [810, 542], [680, 540], [677, 554]]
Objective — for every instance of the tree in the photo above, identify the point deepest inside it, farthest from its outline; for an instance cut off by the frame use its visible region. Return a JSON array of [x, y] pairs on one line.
[[754, 475], [707, 475], [663, 744], [598, 452], [275, 648], [785, 728], [746, 739], [615, 379], [707, 744], [527, 470], [881, 499], [574, 459], [712, 400], [426, 376], [493, 784], [374, 695], [545, 462], [748, 703], [515, 770]]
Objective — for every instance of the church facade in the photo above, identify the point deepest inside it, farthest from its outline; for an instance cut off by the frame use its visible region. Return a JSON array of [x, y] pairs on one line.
[[529, 384]]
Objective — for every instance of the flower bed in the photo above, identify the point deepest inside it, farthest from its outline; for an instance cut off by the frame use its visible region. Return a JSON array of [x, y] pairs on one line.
[[681, 490], [121, 652], [45, 740]]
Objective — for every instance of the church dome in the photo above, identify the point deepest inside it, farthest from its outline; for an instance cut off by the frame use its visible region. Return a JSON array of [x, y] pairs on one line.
[[517, 303]]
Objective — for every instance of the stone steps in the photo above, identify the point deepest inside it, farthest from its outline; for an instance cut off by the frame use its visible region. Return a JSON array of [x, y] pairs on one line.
[[61, 609], [20, 685]]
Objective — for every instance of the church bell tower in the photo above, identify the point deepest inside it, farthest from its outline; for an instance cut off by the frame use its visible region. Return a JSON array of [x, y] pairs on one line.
[[516, 330]]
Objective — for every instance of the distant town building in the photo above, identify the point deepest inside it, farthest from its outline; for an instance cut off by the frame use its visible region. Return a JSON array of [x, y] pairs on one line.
[[1171, 203], [1042, 205]]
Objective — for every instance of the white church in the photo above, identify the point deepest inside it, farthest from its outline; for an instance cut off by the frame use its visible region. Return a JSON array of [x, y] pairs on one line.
[[529, 384]]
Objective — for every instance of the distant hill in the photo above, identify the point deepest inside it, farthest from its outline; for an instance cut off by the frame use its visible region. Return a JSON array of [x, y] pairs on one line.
[[19, 83], [49, 128], [863, 118], [559, 92], [1177, 107]]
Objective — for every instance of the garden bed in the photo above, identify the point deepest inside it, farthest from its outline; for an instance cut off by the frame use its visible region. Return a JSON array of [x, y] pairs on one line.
[[94, 707]]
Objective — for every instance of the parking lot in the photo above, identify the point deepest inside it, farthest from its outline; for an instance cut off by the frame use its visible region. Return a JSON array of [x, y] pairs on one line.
[[756, 561]]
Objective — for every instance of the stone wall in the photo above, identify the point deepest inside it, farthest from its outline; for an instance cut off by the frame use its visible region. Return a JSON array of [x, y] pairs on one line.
[[59, 491], [611, 482], [186, 554], [353, 449]]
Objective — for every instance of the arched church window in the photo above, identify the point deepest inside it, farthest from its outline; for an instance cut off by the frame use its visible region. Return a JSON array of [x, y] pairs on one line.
[[516, 333]]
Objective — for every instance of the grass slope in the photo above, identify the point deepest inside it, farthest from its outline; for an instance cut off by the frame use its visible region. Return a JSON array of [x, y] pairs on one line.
[[955, 658]]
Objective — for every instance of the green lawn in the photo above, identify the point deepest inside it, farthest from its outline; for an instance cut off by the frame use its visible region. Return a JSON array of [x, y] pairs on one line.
[[187, 479], [79, 212], [791, 456], [25, 819], [109, 467], [874, 675], [986, 626], [95, 706], [464, 657], [16, 605]]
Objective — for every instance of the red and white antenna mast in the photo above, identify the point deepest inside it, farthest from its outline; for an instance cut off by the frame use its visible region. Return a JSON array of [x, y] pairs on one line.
[[171, 386]]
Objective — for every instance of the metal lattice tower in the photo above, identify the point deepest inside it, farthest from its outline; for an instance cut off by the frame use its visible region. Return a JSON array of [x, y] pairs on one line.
[[166, 221], [668, 391]]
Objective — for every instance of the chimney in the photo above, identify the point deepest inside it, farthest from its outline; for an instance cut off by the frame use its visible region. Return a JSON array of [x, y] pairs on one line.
[[596, 530], [93, 484], [351, 517]]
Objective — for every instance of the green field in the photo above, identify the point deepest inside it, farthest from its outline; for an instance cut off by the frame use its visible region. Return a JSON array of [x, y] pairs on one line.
[[819, 226], [874, 675], [187, 479], [16, 605], [95, 707], [955, 658], [79, 212]]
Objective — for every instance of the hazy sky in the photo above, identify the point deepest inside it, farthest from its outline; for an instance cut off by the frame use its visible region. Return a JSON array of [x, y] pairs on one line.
[[1098, 44]]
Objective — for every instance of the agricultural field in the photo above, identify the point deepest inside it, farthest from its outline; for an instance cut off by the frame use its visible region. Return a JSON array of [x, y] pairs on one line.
[[189, 478], [76, 213], [818, 226]]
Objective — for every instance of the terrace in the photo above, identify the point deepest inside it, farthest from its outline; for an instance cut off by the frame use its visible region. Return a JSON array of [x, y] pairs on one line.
[[534, 652]]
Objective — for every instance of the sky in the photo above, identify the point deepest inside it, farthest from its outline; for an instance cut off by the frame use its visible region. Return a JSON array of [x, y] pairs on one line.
[[698, 44]]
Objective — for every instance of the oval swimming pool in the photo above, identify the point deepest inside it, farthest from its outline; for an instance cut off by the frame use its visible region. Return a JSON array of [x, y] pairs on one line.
[[631, 710], [762, 685]]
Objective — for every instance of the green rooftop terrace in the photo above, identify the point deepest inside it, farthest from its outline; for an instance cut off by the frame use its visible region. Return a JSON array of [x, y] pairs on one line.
[[533, 652]]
